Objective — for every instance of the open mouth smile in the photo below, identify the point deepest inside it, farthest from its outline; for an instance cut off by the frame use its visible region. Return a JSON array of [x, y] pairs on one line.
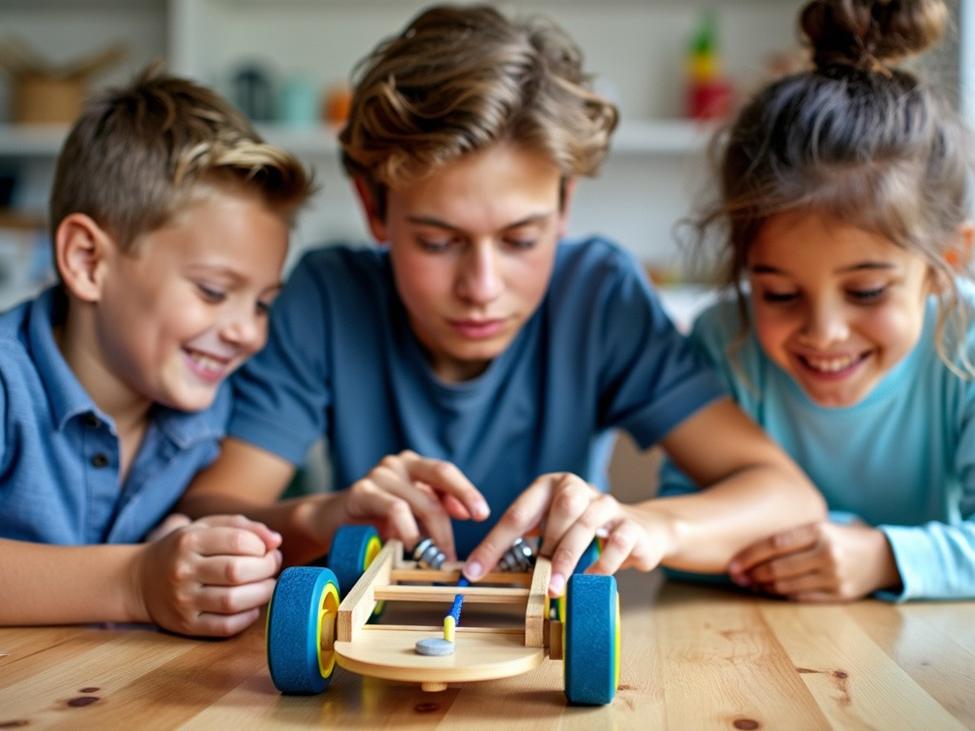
[[832, 367]]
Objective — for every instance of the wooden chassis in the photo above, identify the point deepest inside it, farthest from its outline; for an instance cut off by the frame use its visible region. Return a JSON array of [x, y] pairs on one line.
[[481, 653]]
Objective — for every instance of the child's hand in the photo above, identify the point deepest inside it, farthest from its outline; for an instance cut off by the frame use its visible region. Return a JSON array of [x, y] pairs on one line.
[[406, 487], [818, 562], [170, 523], [569, 512], [209, 577]]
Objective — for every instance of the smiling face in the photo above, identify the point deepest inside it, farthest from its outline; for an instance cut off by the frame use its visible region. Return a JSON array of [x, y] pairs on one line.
[[834, 306], [472, 249], [190, 305]]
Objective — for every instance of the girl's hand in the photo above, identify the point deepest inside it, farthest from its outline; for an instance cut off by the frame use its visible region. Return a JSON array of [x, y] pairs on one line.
[[818, 562], [405, 488], [210, 577], [569, 512]]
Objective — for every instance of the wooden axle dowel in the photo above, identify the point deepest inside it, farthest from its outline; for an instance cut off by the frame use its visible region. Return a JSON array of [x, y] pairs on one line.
[[433, 687]]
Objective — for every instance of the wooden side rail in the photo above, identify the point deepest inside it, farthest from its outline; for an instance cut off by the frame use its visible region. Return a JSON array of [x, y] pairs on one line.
[[446, 594], [357, 607], [452, 576], [535, 616]]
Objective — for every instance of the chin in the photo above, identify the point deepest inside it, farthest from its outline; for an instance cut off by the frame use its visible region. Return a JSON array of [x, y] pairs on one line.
[[189, 400], [479, 354], [837, 400]]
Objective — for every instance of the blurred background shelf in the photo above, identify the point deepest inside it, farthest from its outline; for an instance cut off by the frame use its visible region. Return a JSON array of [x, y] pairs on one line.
[[656, 171], [20, 140], [651, 137]]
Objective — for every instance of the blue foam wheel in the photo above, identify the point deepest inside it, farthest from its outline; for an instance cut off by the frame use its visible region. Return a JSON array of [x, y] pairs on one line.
[[591, 639], [300, 620], [589, 556], [353, 548]]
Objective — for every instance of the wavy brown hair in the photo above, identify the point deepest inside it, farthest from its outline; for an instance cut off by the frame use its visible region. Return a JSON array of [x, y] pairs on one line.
[[858, 139], [458, 79], [140, 152]]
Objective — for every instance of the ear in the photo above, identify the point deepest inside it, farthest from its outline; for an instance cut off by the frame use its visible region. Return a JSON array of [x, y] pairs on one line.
[[81, 251], [567, 189], [959, 256], [370, 209]]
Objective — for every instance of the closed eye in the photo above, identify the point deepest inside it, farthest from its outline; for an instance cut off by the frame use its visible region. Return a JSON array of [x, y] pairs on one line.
[[779, 297], [866, 296], [210, 294]]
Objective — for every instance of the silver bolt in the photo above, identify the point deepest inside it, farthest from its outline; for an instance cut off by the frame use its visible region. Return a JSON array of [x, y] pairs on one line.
[[520, 557], [427, 555]]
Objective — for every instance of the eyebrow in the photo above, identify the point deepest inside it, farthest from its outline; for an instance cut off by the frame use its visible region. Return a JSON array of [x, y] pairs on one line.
[[859, 266], [438, 223]]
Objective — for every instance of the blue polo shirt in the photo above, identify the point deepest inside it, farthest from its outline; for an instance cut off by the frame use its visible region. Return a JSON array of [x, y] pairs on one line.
[[342, 362], [59, 454]]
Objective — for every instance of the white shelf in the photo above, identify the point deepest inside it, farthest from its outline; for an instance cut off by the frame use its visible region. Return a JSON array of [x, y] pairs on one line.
[[662, 136], [665, 137]]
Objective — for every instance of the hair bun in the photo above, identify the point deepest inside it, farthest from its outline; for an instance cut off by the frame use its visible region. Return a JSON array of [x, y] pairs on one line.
[[865, 33]]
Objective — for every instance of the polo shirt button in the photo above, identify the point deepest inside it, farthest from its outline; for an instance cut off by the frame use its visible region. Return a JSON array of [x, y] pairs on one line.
[[92, 421], [99, 460]]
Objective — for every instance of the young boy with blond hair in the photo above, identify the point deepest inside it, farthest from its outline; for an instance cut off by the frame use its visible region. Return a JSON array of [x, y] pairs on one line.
[[170, 221]]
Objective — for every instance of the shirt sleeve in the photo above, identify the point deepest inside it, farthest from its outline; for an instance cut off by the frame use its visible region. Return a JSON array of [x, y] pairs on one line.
[[282, 395], [704, 337], [4, 426], [937, 560], [651, 377]]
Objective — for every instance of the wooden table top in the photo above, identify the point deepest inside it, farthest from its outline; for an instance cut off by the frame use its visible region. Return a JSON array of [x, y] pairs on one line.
[[693, 657]]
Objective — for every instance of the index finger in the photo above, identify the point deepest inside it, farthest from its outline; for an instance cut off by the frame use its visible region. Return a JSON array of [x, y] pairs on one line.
[[447, 479], [227, 540], [271, 538], [525, 513], [773, 546]]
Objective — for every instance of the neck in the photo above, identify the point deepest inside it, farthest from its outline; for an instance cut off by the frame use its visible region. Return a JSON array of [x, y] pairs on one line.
[[78, 342]]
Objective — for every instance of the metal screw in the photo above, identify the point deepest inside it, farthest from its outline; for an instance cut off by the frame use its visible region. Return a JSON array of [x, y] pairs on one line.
[[426, 554], [520, 557]]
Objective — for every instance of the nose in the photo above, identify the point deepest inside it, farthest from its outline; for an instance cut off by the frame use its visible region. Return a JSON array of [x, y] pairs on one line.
[[246, 329], [826, 324], [480, 280]]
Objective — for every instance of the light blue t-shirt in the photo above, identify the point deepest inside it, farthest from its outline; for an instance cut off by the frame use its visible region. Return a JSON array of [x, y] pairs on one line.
[[903, 459], [59, 453], [343, 362]]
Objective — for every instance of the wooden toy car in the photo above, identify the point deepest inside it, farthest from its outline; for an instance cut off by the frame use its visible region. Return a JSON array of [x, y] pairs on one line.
[[309, 630]]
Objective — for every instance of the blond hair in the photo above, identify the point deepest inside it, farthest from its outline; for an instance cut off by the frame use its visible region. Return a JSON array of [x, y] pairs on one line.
[[138, 153], [458, 79]]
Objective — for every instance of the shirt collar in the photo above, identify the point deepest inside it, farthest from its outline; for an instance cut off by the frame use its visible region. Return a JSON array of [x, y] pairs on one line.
[[66, 396], [185, 428]]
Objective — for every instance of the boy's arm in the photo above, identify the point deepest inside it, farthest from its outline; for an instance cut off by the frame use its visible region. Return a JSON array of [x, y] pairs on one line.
[[753, 489], [208, 578], [400, 494], [44, 584]]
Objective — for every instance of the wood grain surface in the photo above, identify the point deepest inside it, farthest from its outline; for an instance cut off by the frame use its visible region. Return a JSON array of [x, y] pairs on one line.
[[693, 658]]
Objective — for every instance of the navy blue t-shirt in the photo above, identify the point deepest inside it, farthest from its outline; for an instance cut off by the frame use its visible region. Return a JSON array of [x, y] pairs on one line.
[[342, 362]]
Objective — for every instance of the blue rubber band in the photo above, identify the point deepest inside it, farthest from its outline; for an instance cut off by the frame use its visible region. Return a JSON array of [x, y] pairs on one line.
[[458, 602]]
